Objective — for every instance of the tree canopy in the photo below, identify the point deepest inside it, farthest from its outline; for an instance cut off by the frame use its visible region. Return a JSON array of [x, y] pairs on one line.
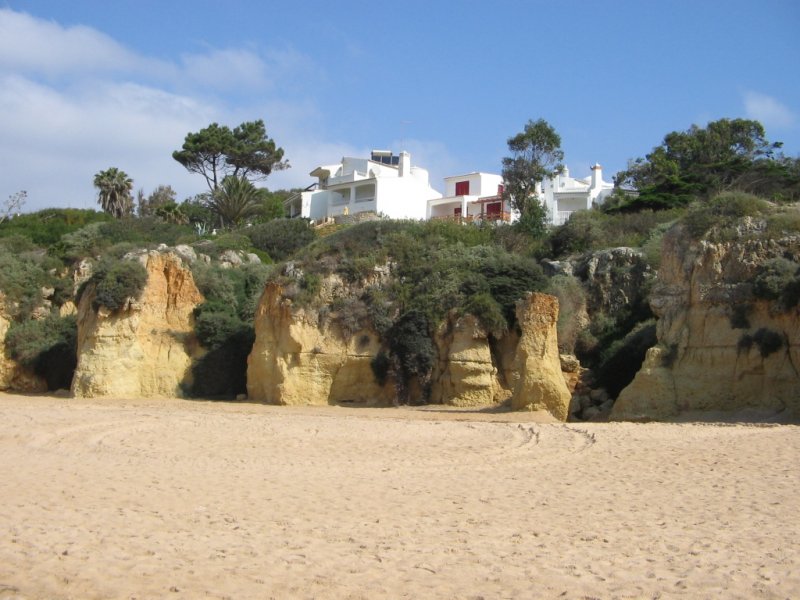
[[114, 195], [703, 161], [218, 151], [536, 155]]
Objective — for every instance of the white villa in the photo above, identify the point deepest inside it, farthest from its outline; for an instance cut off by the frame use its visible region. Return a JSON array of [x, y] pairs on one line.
[[563, 195], [385, 183], [470, 198]]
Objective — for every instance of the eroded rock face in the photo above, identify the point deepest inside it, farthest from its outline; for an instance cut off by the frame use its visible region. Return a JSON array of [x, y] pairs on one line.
[[540, 385], [708, 357], [145, 349], [466, 373], [297, 360]]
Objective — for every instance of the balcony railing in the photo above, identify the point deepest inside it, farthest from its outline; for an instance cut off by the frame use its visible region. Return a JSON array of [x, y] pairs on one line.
[[501, 217]]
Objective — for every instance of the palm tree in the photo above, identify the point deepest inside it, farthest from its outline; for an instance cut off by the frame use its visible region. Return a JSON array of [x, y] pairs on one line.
[[235, 200], [115, 192]]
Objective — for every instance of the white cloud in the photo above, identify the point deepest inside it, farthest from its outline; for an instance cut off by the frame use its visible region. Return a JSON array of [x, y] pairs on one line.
[[36, 46], [766, 109], [73, 101]]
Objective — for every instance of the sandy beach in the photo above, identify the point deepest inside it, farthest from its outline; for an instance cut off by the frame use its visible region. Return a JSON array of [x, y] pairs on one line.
[[183, 499]]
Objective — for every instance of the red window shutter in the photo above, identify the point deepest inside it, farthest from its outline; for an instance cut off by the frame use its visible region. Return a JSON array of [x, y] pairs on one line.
[[462, 188], [457, 211], [494, 209], [500, 189]]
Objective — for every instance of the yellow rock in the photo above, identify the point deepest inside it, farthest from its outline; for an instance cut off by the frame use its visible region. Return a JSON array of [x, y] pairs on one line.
[[702, 362], [143, 350], [541, 384]]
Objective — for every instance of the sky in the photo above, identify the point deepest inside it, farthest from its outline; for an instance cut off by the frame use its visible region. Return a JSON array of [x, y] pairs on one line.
[[90, 84]]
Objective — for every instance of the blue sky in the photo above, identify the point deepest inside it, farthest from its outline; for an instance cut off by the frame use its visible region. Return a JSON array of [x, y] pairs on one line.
[[85, 85]]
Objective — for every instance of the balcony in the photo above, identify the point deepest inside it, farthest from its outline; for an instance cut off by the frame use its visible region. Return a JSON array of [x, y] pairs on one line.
[[501, 217]]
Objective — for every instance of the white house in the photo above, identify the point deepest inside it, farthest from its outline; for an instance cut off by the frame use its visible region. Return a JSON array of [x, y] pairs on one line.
[[563, 195], [470, 198], [385, 183]]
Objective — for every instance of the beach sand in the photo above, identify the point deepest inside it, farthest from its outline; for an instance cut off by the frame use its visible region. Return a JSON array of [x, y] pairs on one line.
[[183, 499]]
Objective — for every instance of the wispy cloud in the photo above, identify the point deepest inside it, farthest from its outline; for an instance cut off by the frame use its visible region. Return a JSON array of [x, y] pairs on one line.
[[74, 101], [768, 110]]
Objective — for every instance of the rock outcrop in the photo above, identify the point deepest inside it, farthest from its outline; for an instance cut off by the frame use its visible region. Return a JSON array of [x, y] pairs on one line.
[[144, 349], [466, 372], [719, 347], [297, 359], [540, 384]]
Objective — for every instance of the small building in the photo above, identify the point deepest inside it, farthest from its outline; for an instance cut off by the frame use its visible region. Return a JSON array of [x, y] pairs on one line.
[[563, 195], [470, 198], [386, 184]]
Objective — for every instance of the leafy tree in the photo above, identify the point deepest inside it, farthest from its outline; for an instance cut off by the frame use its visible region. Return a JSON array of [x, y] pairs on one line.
[[217, 152], [114, 194], [536, 155], [161, 196], [701, 162], [272, 204], [234, 201]]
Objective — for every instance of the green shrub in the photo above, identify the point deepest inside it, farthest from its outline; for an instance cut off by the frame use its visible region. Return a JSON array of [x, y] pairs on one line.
[[213, 329], [115, 281], [620, 362], [411, 350], [488, 312], [778, 279], [785, 222], [48, 346], [722, 213], [22, 277], [46, 227], [280, 238], [224, 326]]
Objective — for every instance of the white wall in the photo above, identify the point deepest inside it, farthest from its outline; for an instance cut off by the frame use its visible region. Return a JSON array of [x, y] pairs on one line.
[[480, 184]]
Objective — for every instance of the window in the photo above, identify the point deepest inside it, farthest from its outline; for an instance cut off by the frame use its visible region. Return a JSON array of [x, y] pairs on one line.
[[457, 211], [494, 209], [462, 188], [500, 189]]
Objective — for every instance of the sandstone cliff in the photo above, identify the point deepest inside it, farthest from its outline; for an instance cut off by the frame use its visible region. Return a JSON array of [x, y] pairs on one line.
[[720, 348], [297, 359], [143, 350]]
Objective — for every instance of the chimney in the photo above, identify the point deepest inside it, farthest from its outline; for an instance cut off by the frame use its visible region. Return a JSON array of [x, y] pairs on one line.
[[597, 176], [404, 167]]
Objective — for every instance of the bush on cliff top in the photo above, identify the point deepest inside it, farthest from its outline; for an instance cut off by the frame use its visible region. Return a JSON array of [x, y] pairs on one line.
[[116, 281]]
